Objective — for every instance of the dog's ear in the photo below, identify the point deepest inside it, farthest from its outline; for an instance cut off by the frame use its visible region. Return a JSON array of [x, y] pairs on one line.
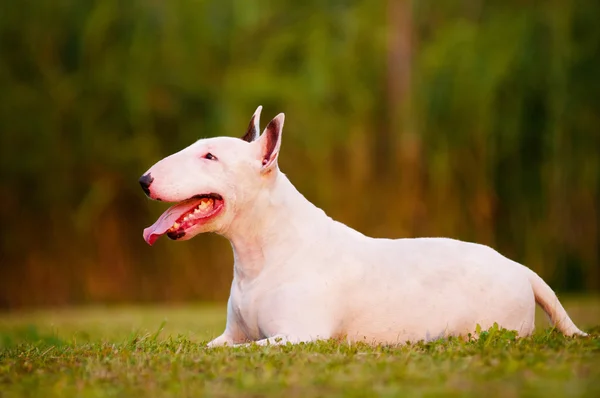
[[254, 126], [270, 142]]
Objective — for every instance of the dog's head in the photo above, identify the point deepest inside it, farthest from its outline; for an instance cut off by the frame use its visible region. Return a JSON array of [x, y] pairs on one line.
[[211, 179]]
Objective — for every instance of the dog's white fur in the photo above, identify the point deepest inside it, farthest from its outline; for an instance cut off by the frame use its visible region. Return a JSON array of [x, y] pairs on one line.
[[301, 276]]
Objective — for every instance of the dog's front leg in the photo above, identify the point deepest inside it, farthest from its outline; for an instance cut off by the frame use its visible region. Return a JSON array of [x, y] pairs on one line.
[[280, 339], [233, 333], [231, 336], [225, 339]]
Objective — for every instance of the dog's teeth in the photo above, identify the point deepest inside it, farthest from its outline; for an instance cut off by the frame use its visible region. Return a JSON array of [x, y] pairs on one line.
[[204, 204], [175, 226]]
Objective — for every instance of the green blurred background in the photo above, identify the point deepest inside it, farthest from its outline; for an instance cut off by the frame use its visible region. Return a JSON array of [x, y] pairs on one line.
[[472, 119]]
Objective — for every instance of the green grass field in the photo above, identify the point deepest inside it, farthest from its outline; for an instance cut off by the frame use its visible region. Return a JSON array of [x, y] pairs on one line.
[[159, 352]]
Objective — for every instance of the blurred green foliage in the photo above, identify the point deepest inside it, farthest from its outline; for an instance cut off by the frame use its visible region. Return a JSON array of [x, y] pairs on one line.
[[472, 119]]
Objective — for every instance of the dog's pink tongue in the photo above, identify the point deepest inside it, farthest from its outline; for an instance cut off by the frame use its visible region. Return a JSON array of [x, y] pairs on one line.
[[164, 222]]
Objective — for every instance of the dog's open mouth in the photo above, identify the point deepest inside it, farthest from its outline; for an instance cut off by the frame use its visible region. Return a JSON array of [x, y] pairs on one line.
[[179, 218]]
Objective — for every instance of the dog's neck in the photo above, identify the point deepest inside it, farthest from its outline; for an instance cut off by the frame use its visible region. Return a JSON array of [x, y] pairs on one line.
[[279, 221]]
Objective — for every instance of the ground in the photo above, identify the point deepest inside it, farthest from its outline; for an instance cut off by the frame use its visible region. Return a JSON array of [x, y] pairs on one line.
[[159, 352]]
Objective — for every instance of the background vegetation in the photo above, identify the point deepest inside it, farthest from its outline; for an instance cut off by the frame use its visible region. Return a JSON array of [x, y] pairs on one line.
[[472, 119]]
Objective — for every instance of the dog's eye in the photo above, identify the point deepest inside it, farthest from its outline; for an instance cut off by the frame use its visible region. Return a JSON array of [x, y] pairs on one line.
[[210, 156]]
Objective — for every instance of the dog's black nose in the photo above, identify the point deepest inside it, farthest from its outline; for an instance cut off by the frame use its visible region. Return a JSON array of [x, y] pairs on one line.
[[145, 182]]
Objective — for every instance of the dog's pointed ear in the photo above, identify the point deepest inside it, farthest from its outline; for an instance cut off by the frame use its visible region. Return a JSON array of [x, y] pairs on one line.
[[270, 142], [254, 126]]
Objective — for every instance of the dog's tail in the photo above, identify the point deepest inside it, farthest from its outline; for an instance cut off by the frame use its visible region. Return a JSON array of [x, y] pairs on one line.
[[547, 299]]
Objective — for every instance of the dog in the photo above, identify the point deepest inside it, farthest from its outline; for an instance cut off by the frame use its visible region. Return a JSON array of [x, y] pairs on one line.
[[300, 276]]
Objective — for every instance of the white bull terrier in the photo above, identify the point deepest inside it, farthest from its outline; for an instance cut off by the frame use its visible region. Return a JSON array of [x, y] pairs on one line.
[[300, 276]]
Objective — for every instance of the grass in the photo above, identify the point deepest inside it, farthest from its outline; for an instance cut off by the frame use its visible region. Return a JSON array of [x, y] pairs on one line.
[[159, 352]]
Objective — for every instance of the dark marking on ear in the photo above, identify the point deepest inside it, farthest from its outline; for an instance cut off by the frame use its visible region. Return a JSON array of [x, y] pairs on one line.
[[252, 132], [272, 131]]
